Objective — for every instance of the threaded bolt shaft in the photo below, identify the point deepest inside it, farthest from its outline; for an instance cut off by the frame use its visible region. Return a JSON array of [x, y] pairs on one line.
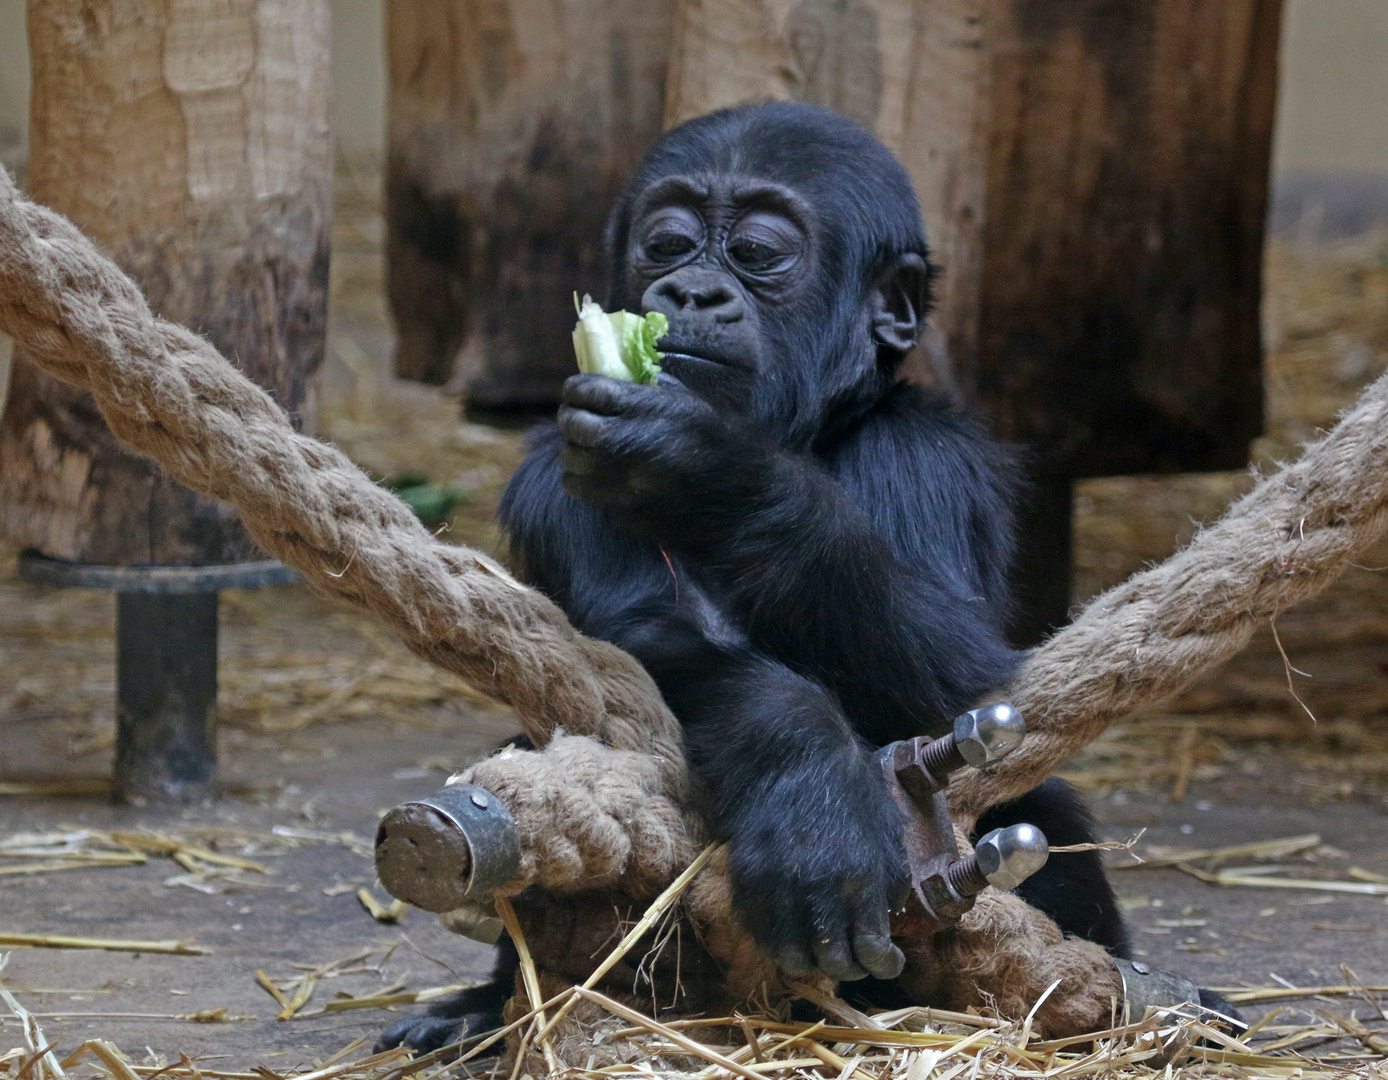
[[965, 876], [942, 757]]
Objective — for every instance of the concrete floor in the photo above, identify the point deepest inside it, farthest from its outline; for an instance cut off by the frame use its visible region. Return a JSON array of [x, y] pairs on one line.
[[340, 776], [1251, 935], [284, 918]]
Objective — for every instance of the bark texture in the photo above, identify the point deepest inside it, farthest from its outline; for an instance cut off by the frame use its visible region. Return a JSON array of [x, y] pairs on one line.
[[513, 125], [190, 139], [915, 72], [1123, 244]]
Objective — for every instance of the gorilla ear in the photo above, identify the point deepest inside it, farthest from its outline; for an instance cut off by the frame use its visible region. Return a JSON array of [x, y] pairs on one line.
[[898, 302]]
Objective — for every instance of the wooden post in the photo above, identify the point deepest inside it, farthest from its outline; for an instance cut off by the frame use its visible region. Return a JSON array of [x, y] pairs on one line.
[[190, 139], [513, 124], [1122, 248], [1093, 177], [915, 72]]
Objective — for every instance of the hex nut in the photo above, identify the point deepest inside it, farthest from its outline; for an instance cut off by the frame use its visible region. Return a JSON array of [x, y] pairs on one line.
[[1007, 857], [985, 736]]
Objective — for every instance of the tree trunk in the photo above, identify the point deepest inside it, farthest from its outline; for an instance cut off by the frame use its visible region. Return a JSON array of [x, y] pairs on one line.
[[915, 72], [513, 125], [190, 139], [1123, 244]]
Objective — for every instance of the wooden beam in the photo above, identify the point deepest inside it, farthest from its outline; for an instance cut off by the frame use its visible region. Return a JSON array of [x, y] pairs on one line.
[[190, 139], [513, 125], [1123, 242]]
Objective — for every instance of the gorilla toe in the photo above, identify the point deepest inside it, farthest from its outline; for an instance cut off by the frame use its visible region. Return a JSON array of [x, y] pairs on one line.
[[425, 1033], [421, 1033]]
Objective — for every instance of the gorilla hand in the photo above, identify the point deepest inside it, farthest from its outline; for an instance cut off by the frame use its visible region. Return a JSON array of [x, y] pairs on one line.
[[815, 885], [655, 456]]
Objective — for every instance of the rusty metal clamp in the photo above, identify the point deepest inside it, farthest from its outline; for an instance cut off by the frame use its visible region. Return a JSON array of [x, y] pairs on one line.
[[943, 885]]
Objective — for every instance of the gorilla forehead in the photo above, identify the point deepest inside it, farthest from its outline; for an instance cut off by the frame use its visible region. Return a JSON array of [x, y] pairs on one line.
[[862, 197]]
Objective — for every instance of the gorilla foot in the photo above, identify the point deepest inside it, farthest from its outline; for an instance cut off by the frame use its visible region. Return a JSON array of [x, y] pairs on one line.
[[467, 1013], [424, 1033]]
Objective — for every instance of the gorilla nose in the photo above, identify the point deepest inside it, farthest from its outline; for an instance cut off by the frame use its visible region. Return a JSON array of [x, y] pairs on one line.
[[695, 291]]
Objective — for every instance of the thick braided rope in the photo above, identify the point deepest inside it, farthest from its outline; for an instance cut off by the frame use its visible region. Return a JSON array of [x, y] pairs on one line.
[[1146, 639], [169, 395]]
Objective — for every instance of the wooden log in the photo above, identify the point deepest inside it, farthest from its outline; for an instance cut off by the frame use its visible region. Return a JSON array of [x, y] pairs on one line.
[[513, 125], [190, 139], [1122, 247], [915, 72], [1123, 241], [1106, 162]]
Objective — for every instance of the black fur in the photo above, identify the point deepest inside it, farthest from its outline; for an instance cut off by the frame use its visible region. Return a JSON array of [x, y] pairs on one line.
[[469, 1012], [809, 555]]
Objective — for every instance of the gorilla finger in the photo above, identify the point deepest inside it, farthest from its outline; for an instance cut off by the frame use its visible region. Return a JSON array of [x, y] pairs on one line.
[[872, 941], [834, 957], [876, 953], [578, 461], [600, 394], [583, 428]]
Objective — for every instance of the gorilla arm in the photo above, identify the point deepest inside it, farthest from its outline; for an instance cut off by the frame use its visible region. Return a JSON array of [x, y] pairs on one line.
[[816, 856], [902, 630]]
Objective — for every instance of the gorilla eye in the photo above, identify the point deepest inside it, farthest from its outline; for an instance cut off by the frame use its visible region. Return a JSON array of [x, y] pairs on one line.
[[670, 233], [764, 242], [669, 245], [754, 255]]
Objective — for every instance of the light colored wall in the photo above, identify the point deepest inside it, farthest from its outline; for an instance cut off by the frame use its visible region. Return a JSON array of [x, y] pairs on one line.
[[1332, 107], [359, 75], [1332, 110], [14, 74]]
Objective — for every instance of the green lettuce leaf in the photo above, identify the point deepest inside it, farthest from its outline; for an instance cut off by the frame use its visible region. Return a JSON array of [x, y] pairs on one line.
[[618, 344]]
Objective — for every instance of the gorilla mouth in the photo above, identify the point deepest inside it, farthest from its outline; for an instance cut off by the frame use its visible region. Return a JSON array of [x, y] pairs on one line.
[[685, 355]]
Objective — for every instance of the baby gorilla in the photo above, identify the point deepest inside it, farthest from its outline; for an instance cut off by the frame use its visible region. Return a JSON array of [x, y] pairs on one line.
[[809, 555]]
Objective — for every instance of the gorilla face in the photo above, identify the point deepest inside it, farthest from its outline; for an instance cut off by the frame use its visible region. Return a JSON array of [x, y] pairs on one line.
[[724, 258], [785, 247]]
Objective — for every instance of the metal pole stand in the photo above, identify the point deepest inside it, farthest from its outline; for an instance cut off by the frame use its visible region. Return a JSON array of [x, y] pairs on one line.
[[166, 667]]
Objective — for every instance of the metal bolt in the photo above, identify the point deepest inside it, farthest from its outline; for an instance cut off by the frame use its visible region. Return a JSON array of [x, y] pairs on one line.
[[987, 735], [1003, 859], [981, 737], [479, 800]]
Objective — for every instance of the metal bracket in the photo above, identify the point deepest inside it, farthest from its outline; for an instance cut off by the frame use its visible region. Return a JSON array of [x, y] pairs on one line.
[[168, 580], [1145, 989], [917, 771], [454, 846]]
